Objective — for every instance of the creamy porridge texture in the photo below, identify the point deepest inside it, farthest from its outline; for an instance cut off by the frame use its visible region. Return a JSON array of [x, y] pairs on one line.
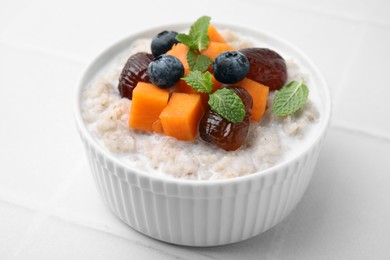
[[106, 114]]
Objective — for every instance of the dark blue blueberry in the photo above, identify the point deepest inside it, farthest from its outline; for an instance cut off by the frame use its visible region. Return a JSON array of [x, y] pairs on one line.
[[163, 42], [165, 71], [230, 67]]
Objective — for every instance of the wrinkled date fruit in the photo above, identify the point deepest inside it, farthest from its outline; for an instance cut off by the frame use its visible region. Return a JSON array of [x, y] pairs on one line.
[[217, 130], [266, 67], [134, 71]]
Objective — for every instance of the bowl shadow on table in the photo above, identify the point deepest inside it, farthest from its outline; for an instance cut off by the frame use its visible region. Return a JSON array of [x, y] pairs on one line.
[[302, 227]]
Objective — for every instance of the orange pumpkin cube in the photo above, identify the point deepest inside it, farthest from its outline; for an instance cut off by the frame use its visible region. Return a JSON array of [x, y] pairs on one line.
[[183, 87], [180, 118], [214, 35], [148, 102], [259, 93], [215, 48], [180, 51]]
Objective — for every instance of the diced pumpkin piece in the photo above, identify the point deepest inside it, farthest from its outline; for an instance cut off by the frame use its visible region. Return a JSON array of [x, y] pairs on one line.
[[215, 48], [259, 93], [180, 51], [157, 127], [180, 118], [216, 84], [148, 102], [183, 87], [214, 35]]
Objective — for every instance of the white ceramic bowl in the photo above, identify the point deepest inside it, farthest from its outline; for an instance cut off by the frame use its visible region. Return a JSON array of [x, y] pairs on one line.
[[203, 213]]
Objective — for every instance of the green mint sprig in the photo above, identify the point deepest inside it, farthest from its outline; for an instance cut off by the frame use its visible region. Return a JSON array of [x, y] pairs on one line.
[[225, 102], [228, 105], [198, 61], [290, 98], [199, 81], [197, 39]]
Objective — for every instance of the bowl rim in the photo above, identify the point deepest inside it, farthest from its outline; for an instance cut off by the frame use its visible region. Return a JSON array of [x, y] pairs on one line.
[[249, 30]]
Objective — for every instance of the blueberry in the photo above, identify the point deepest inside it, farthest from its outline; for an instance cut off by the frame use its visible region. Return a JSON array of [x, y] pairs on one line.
[[230, 67], [163, 42], [165, 70]]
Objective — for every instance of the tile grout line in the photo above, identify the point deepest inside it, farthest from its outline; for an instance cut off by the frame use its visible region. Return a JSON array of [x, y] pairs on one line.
[[102, 230], [21, 203], [351, 58], [298, 7], [101, 227], [367, 134], [36, 49], [43, 213], [338, 15]]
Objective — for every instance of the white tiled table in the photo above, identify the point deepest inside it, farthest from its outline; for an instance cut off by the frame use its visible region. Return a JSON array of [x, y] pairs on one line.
[[49, 207]]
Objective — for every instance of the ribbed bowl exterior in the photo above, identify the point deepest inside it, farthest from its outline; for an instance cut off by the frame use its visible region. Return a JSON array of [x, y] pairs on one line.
[[201, 215]]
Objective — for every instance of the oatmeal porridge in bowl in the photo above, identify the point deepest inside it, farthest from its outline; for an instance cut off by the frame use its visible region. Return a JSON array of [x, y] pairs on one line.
[[202, 144]]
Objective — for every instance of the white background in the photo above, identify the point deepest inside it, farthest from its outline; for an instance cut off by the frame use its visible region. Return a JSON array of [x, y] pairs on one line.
[[49, 207]]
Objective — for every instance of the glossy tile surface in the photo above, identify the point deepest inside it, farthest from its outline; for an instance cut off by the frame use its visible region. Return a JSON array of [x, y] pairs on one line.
[[50, 208]]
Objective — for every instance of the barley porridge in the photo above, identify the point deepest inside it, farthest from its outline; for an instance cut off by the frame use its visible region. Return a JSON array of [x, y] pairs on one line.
[[268, 142]]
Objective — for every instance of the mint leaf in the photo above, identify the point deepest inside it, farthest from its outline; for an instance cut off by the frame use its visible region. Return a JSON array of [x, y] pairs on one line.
[[185, 39], [290, 98], [228, 105], [202, 41], [198, 31], [198, 61], [197, 39], [198, 81], [200, 26]]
